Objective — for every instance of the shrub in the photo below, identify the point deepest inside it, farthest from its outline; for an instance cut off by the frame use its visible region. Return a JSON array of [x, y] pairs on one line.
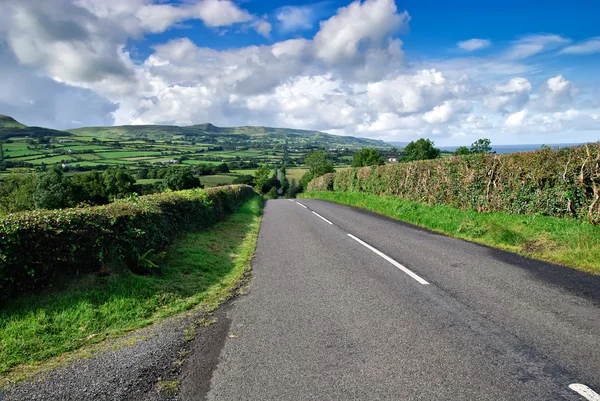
[[272, 194], [322, 183], [555, 182], [38, 246]]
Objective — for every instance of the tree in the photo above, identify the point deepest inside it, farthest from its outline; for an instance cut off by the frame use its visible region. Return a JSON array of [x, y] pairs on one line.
[[90, 187], [16, 193], [318, 165], [367, 157], [142, 173], [52, 190], [178, 179], [118, 182], [293, 189], [244, 179], [462, 151], [261, 178], [222, 168], [304, 180], [422, 149], [481, 146]]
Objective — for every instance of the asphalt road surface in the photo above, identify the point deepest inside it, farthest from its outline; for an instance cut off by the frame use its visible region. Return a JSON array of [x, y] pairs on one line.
[[349, 305]]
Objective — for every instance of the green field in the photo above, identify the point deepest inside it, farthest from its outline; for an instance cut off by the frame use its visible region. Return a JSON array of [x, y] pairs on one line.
[[295, 173], [217, 180], [136, 147], [126, 154]]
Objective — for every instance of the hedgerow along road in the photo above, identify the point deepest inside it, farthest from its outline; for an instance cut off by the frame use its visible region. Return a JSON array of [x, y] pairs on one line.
[[349, 305]]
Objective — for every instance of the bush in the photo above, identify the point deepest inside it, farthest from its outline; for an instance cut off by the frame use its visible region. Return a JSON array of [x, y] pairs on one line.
[[322, 183], [272, 194], [554, 182], [38, 246]]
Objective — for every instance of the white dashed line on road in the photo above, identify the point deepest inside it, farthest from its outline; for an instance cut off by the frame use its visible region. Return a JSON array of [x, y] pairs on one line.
[[302, 205], [585, 391], [392, 261], [321, 217]]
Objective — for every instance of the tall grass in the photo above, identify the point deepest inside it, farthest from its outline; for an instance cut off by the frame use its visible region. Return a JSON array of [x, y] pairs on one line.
[[199, 268], [563, 241]]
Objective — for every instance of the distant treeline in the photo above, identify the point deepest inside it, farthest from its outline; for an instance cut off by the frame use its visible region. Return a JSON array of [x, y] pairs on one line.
[[555, 182], [53, 189]]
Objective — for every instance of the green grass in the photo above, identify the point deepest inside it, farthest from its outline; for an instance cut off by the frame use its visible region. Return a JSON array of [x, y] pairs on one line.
[[217, 179], [193, 161], [295, 173], [127, 153], [86, 156], [201, 268], [52, 160], [562, 241], [148, 180]]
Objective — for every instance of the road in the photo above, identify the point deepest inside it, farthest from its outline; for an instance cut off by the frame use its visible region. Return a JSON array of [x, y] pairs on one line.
[[394, 312]]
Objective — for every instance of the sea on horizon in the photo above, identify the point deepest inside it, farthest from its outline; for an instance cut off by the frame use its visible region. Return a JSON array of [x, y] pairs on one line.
[[515, 148]]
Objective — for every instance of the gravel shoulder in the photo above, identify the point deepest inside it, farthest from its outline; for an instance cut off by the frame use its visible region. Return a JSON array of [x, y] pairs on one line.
[[146, 365]]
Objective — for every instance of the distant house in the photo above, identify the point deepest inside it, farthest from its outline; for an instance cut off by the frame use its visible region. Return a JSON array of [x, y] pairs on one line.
[[66, 165], [392, 160], [167, 162]]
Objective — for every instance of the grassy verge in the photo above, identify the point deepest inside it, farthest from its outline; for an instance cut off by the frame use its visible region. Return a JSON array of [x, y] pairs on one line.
[[201, 268], [562, 241]]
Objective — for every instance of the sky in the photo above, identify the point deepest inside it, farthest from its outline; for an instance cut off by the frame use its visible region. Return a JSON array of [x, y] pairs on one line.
[[452, 71]]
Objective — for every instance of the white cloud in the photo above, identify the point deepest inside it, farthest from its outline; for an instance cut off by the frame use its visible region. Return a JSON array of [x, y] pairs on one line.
[[372, 21], [534, 44], [350, 78], [474, 44], [294, 18], [515, 120], [444, 112], [556, 92], [513, 95], [263, 27], [220, 13], [589, 46]]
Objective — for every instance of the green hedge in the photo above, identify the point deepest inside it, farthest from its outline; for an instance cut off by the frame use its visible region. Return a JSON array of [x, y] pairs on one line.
[[36, 247], [322, 183], [555, 182]]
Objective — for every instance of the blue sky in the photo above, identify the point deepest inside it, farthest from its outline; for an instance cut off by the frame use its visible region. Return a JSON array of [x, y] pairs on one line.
[[512, 71]]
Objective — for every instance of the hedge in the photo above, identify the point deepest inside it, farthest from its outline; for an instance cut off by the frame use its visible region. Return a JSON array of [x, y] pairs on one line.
[[37, 247], [554, 182]]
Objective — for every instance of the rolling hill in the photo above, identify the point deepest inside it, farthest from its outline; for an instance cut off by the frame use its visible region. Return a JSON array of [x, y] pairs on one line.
[[254, 136], [11, 128]]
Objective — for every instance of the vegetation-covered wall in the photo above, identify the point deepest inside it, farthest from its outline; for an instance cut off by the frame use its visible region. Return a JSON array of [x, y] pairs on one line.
[[555, 182], [37, 246]]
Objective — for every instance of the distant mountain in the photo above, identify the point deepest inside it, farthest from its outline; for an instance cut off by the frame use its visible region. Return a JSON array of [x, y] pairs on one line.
[[257, 136], [11, 128], [399, 144]]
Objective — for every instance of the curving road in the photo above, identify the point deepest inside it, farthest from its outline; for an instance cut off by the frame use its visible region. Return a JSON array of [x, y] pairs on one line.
[[349, 305]]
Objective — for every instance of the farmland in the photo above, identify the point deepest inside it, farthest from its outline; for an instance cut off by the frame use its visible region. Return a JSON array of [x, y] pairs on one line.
[[137, 147]]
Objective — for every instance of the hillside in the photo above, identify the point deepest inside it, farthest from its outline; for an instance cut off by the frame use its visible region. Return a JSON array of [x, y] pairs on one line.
[[254, 136], [11, 128]]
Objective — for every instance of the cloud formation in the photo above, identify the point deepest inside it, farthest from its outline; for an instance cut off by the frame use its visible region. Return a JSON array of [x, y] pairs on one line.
[[589, 46], [351, 77], [295, 18], [474, 44]]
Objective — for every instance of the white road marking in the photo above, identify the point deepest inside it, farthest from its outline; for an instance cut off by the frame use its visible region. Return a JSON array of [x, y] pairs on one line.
[[392, 261], [302, 205], [321, 217], [585, 391], [290, 200]]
